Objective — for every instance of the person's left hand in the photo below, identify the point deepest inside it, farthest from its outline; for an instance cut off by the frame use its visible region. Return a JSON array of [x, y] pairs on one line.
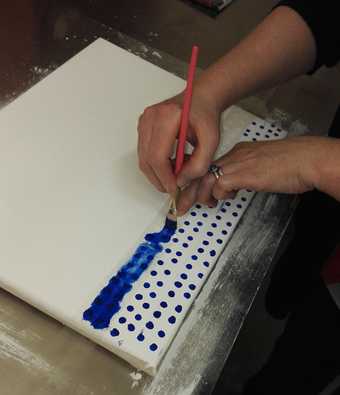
[[285, 166]]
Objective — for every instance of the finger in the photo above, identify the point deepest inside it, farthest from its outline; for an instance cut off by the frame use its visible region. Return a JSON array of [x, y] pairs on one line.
[[205, 190], [144, 136], [230, 183], [187, 197], [164, 133], [199, 162]]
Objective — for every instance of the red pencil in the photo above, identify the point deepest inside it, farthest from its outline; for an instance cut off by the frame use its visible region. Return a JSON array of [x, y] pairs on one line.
[[186, 112], [182, 135]]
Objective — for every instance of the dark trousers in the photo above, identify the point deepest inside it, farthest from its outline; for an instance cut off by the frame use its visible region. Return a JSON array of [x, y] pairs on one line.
[[306, 357]]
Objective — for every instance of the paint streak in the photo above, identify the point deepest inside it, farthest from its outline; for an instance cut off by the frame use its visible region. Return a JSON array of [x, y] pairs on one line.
[[108, 302]]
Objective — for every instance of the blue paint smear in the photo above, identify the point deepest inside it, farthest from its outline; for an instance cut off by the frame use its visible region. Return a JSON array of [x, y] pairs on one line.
[[108, 302]]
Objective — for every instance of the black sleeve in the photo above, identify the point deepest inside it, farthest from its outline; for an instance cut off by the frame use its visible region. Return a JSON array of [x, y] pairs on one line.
[[322, 17]]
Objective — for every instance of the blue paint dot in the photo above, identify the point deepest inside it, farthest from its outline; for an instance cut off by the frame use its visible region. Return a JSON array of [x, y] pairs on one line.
[[239, 206], [131, 327], [218, 217], [178, 308], [174, 260], [200, 275], [235, 215], [178, 253], [153, 273], [205, 242], [152, 295], [186, 223], [172, 319], [198, 206], [178, 284], [223, 210], [189, 266], [224, 232], [210, 234], [168, 250], [153, 347], [164, 304], [157, 314], [160, 262], [138, 317], [195, 229], [185, 245], [139, 297], [181, 230], [146, 285], [146, 305], [212, 253], [193, 213], [199, 223], [228, 204], [184, 276], [161, 333], [244, 199], [115, 332], [122, 320], [159, 283], [150, 325], [206, 264], [187, 295], [190, 238], [192, 287], [205, 215], [229, 224], [219, 241], [130, 308], [167, 272], [214, 225], [141, 337], [200, 250], [194, 257], [171, 294], [175, 240]]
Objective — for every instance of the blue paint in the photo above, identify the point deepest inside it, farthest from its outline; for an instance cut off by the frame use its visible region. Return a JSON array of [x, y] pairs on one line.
[[146, 305], [161, 333], [179, 308], [171, 294], [157, 314], [172, 319], [108, 302], [131, 327], [159, 283], [141, 337], [138, 317], [164, 305], [115, 332], [152, 295], [149, 325], [130, 308], [122, 320], [153, 347]]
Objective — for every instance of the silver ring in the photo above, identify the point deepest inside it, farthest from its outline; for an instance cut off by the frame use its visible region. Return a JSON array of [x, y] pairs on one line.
[[216, 171]]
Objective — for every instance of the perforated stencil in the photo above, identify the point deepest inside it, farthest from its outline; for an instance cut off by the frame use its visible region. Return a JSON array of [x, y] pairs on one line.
[[154, 309]]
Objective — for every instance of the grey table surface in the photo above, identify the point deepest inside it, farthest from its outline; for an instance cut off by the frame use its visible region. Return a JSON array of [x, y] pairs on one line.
[[37, 354]]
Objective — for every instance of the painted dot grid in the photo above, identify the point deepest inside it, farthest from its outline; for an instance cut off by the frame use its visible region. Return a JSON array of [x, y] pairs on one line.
[[152, 312]]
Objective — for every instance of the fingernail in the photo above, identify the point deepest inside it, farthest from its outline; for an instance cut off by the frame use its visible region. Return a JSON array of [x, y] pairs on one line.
[[182, 182]]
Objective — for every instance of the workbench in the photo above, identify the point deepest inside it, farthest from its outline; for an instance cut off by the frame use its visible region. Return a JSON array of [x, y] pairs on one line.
[[40, 356]]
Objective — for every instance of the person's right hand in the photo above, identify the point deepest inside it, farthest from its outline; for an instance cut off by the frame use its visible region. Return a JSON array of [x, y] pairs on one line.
[[158, 128]]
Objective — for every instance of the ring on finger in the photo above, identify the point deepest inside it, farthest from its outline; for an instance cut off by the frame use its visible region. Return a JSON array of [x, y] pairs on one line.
[[216, 171]]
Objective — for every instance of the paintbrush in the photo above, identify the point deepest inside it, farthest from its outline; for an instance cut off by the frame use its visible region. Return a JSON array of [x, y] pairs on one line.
[[182, 135]]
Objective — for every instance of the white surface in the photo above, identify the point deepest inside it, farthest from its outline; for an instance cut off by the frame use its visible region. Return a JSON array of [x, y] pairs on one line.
[[73, 206]]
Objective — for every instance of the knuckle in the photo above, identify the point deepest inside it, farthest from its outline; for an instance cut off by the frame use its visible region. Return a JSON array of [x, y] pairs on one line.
[[198, 169]]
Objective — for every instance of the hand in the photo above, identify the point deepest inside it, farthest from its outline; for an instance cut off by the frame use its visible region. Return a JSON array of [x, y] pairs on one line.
[[285, 166], [158, 128]]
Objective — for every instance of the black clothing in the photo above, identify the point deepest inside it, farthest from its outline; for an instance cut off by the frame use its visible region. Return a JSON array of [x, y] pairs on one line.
[[322, 17]]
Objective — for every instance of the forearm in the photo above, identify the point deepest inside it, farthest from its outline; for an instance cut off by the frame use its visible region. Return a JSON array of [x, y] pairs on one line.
[[327, 168], [280, 48]]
